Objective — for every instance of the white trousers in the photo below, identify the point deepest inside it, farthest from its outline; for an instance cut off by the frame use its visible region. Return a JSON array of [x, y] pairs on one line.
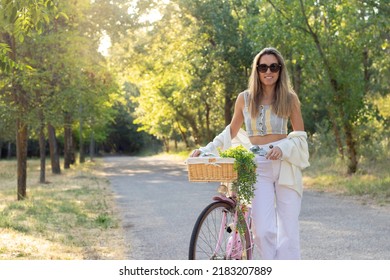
[[275, 212]]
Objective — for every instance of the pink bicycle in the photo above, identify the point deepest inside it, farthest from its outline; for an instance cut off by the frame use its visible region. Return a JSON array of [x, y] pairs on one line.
[[223, 229], [216, 235]]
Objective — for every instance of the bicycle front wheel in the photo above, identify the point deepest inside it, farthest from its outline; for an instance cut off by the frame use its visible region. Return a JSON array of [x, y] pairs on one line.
[[211, 235]]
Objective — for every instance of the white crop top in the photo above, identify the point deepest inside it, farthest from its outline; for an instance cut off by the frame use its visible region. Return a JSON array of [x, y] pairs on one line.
[[267, 122]]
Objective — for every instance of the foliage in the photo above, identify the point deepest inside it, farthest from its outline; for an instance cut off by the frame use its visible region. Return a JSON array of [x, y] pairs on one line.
[[123, 136], [192, 62], [345, 56], [245, 166], [244, 185], [188, 71], [20, 19], [56, 75], [188, 65]]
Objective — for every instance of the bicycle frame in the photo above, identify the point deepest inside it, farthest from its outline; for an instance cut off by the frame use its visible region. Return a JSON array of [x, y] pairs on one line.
[[234, 246]]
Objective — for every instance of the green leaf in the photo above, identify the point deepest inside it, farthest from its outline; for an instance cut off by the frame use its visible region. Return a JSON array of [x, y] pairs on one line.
[[245, 166], [21, 37]]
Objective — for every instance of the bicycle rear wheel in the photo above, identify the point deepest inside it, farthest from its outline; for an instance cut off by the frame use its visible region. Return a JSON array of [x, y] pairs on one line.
[[206, 243]]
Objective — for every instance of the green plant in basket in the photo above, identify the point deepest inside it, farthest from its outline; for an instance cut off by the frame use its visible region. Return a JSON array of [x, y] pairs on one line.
[[245, 166], [244, 185]]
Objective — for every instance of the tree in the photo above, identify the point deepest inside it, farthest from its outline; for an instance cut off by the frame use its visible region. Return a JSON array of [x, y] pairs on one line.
[[336, 30], [21, 19], [46, 76], [192, 70]]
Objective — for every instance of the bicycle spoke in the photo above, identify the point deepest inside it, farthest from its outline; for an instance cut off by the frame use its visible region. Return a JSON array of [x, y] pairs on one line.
[[206, 240]]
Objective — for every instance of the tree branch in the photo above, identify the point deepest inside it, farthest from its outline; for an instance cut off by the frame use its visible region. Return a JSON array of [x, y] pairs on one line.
[[315, 37], [287, 18]]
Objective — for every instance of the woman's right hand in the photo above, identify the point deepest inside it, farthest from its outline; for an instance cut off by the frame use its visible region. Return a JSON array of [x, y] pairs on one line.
[[195, 153]]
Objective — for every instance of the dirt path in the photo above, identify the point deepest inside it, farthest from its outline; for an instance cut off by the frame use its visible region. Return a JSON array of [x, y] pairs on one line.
[[159, 208]]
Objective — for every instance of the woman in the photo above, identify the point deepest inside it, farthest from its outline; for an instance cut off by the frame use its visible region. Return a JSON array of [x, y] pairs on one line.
[[265, 109]]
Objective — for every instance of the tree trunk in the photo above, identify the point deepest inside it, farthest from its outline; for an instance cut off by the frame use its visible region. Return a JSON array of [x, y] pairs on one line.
[[9, 150], [297, 78], [54, 154], [228, 109], [21, 102], [194, 124], [21, 154], [351, 149], [72, 153], [336, 132], [42, 142], [67, 141], [166, 143], [366, 67], [183, 135], [81, 148], [42, 153], [348, 131]]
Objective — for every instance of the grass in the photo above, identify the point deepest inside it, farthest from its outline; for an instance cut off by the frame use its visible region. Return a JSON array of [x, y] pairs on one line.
[[371, 183], [71, 217]]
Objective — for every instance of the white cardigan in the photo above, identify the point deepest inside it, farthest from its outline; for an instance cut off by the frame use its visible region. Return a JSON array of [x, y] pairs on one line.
[[295, 154]]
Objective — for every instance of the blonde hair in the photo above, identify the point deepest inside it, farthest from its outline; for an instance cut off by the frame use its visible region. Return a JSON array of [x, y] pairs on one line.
[[285, 97]]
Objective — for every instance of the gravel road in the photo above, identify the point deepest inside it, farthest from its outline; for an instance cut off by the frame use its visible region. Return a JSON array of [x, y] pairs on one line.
[[159, 208]]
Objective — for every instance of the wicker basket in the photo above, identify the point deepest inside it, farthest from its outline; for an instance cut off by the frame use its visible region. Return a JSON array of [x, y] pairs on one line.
[[211, 169]]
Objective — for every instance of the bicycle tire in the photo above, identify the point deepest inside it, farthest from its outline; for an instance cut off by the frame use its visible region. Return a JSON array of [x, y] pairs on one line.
[[204, 237]]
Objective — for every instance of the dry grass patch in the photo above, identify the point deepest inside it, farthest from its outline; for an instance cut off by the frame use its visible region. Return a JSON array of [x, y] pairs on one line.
[[17, 245], [371, 182], [71, 217]]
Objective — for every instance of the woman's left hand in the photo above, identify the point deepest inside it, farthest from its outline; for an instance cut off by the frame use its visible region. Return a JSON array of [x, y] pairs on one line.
[[274, 154], [195, 153]]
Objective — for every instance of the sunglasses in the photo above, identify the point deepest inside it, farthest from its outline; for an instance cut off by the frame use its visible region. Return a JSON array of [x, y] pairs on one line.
[[274, 67]]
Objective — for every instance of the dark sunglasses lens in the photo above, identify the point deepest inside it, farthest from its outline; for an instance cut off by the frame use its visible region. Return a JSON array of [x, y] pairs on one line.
[[262, 68], [274, 67]]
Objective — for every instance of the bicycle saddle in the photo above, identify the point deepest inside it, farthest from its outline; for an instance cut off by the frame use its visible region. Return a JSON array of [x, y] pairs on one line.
[[228, 200]]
